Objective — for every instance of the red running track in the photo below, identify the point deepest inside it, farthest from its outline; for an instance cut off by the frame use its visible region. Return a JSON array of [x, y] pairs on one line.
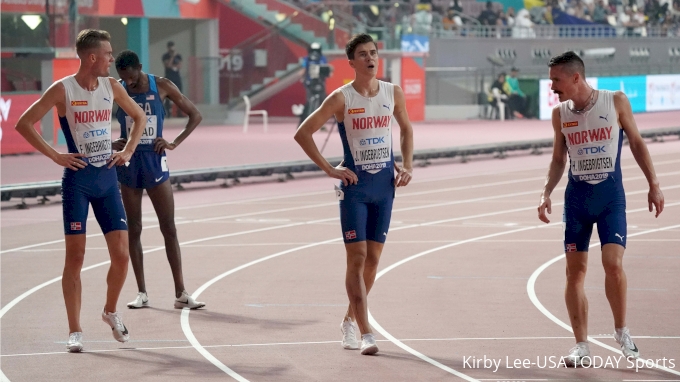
[[468, 272]]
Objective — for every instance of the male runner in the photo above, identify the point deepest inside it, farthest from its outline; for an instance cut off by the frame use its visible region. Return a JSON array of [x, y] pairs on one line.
[[364, 110], [589, 125], [148, 170], [84, 102]]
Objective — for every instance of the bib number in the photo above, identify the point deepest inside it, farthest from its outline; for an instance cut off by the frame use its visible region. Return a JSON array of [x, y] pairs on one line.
[[150, 129]]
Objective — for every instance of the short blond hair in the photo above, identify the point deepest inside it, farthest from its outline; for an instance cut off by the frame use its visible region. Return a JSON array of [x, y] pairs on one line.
[[89, 39]]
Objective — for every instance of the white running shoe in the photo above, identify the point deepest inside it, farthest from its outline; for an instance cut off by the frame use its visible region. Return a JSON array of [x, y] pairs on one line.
[[142, 301], [115, 321], [186, 301], [368, 345], [579, 355], [628, 348], [349, 336], [75, 342]]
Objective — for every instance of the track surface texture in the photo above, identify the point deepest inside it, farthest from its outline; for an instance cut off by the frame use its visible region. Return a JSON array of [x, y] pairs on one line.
[[470, 284]]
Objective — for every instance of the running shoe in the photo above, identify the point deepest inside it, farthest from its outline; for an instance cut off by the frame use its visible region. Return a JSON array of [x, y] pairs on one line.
[[75, 342], [115, 321], [368, 345], [628, 348], [186, 301], [579, 355], [349, 336], [142, 301]]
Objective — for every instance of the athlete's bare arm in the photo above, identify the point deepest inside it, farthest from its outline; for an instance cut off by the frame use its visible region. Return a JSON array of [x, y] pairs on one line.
[[405, 172], [137, 114], [168, 89], [556, 169], [334, 104], [54, 96], [639, 150]]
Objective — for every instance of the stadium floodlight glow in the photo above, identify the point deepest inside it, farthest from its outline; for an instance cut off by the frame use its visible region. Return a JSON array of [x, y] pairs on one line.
[[193, 1], [32, 20], [124, 20]]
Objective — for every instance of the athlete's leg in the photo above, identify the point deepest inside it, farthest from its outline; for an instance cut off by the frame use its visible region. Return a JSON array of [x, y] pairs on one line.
[[164, 204], [615, 282], [612, 229], [117, 242], [110, 215], [132, 200], [575, 295], [355, 284], [578, 227], [373, 252], [70, 282]]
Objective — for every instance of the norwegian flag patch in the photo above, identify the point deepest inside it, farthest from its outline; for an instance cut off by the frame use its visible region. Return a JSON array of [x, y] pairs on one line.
[[150, 97], [349, 235], [76, 226], [571, 247]]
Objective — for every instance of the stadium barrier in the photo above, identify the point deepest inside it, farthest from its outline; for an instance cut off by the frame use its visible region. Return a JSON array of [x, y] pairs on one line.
[[286, 169]]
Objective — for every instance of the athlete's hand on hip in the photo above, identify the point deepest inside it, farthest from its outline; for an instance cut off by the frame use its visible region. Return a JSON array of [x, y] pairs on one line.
[[160, 145], [545, 205], [343, 173], [119, 144], [404, 175], [120, 158], [70, 161], [655, 199]]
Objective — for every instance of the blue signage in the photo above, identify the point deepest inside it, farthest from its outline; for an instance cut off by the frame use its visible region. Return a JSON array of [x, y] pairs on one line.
[[635, 87], [415, 43]]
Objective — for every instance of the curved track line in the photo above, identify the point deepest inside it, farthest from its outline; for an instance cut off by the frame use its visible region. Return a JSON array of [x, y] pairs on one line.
[[531, 290], [386, 334], [334, 203], [18, 299], [184, 319], [409, 349]]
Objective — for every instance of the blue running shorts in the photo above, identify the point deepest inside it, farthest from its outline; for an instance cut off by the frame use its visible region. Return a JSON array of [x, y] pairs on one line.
[[92, 185], [366, 208], [147, 169], [585, 204]]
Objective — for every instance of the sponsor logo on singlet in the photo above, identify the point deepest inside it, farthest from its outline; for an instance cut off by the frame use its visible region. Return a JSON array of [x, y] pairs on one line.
[[570, 124], [356, 111], [78, 103]]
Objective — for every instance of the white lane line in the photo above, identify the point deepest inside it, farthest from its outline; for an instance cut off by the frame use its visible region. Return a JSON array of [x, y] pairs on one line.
[[387, 335], [409, 349], [274, 344], [332, 204], [184, 319], [186, 327], [531, 290], [6, 308]]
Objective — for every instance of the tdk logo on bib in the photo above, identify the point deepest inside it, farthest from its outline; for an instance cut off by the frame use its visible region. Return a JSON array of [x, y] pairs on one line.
[[95, 133], [591, 150], [372, 141]]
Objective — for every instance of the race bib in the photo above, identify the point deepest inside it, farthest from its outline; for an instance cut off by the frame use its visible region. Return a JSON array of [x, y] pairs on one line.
[[372, 153], [150, 130], [95, 144]]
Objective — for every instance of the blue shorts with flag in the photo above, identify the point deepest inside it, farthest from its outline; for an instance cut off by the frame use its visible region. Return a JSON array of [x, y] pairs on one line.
[[92, 185], [366, 208], [147, 169], [585, 204]]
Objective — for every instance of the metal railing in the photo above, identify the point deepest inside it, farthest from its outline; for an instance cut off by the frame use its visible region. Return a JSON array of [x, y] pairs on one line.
[[51, 188]]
